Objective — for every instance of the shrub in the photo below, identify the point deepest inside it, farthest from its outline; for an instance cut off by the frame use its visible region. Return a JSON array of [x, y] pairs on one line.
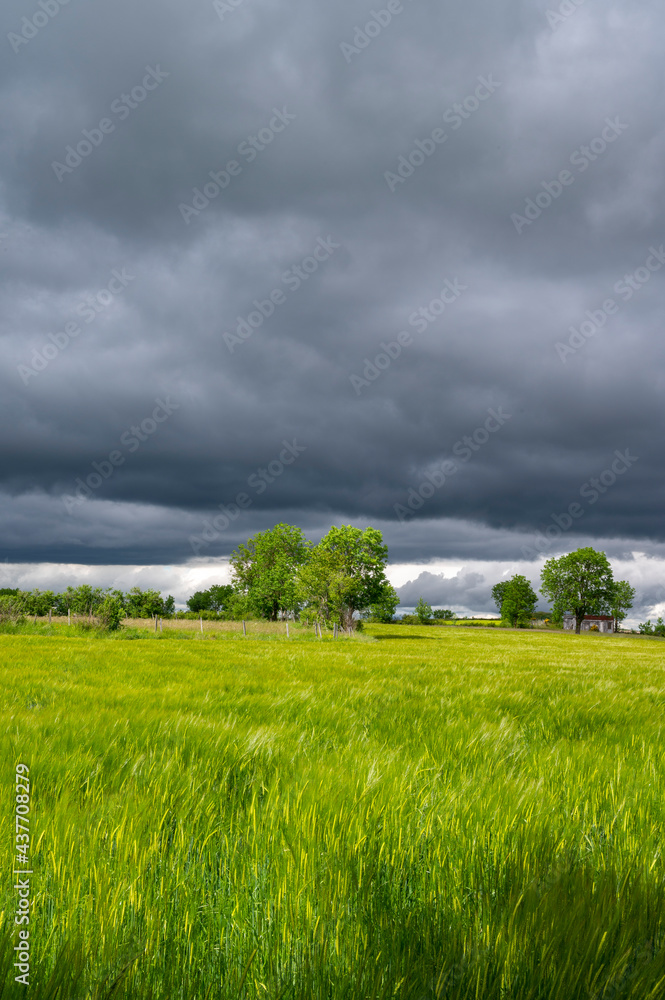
[[110, 614]]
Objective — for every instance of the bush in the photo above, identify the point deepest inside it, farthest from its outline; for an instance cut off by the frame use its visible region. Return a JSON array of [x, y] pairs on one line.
[[11, 609], [110, 614]]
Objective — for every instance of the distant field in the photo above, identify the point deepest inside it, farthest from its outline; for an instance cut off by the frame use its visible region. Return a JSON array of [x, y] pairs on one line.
[[412, 813]]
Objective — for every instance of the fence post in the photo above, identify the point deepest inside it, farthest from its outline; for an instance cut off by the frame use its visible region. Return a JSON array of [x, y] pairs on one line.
[[49, 616], [335, 630], [69, 616], [155, 623], [244, 627], [161, 625], [201, 621], [287, 630]]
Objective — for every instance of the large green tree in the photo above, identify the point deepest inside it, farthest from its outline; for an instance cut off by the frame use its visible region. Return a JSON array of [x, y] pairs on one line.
[[345, 575], [580, 582], [265, 569], [516, 600]]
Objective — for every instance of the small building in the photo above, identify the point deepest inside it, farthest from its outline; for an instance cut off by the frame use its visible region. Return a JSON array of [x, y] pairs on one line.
[[590, 623]]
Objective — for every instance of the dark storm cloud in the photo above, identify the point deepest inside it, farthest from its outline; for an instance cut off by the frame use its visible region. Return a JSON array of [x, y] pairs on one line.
[[411, 237]]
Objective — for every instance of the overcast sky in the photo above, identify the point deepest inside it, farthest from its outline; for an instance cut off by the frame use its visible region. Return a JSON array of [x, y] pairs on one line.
[[268, 261]]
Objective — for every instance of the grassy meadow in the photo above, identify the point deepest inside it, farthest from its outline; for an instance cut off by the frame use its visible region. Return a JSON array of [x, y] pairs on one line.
[[409, 813]]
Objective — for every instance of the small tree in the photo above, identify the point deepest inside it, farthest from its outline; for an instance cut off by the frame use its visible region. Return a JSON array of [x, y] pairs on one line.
[[580, 582], [423, 611], [110, 613], [518, 601], [443, 615], [383, 610], [623, 596]]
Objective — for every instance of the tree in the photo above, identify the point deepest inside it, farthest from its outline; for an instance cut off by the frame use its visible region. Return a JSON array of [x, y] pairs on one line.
[[423, 611], [518, 600], [646, 628], [265, 569], [498, 593], [580, 582], [110, 613], [383, 610], [623, 596], [147, 603], [443, 615], [344, 575], [216, 599]]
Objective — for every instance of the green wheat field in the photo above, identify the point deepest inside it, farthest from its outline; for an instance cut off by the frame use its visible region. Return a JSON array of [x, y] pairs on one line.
[[408, 813]]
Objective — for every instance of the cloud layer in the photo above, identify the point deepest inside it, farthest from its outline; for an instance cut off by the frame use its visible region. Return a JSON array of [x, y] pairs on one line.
[[422, 248]]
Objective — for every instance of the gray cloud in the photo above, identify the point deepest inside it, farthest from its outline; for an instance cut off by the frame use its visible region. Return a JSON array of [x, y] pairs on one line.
[[322, 178]]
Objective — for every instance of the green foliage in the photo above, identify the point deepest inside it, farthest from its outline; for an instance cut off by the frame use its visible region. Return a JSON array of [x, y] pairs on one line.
[[383, 610], [147, 604], [646, 628], [215, 599], [423, 611], [580, 582], [518, 601], [622, 599], [344, 576], [265, 569], [498, 593], [443, 615], [12, 609], [110, 613]]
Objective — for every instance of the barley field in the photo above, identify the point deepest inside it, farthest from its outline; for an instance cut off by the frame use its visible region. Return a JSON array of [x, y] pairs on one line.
[[410, 813]]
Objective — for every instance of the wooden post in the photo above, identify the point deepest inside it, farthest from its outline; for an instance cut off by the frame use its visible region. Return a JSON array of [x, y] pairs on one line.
[[69, 616], [35, 621], [161, 625], [244, 627], [155, 623], [287, 630], [49, 616], [201, 621], [335, 630]]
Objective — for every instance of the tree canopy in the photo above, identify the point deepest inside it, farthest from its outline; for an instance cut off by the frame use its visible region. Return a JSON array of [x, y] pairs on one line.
[[265, 570], [580, 582], [516, 600], [344, 575]]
